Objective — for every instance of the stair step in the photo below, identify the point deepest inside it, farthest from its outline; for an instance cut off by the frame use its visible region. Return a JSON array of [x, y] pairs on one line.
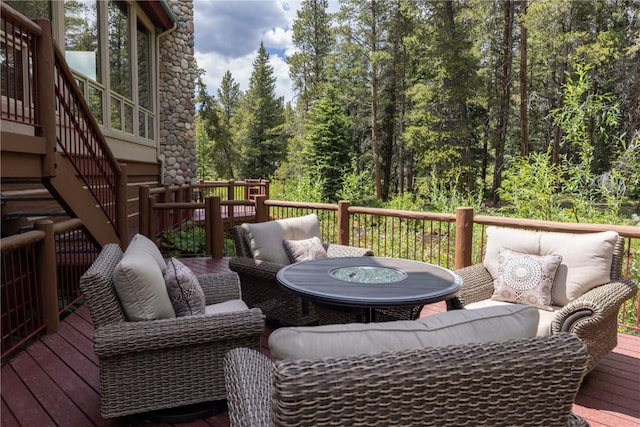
[[31, 194], [18, 214]]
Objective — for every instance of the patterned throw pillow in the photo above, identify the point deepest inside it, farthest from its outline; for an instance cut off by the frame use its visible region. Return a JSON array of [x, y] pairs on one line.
[[304, 250], [185, 292], [525, 279]]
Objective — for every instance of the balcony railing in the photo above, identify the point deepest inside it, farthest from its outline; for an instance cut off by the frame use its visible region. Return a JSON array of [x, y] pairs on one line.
[[40, 280], [41, 269]]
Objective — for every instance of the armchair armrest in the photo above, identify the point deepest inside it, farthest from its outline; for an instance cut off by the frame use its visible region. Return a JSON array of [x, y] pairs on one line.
[[219, 287], [248, 379], [338, 251], [130, 337], [597, 304], [248, 266], [477, 284]]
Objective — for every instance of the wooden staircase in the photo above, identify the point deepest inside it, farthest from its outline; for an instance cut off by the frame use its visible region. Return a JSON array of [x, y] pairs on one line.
[[55, 158]]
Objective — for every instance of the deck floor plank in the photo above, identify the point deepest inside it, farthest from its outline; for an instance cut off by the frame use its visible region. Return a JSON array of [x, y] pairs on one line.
[[78, 391], [8, 420], [23, 406], [49, 396], [64, 364]]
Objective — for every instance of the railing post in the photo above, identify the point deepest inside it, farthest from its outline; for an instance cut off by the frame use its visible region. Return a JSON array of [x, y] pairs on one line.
[[144, 210], [45, 83], [266, 187], [343, 222], [123, 206], [47, 278], [214, 227], [165, 222], [231, 189], [262, 210], [464, 236]]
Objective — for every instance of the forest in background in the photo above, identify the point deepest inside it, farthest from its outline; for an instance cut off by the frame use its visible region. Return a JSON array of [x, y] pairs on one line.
[[532, 106]]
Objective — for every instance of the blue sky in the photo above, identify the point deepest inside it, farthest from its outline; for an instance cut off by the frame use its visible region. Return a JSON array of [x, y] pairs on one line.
[[228, 34]]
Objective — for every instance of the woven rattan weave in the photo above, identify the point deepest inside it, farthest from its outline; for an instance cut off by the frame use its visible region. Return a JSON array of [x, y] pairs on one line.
[[593, 316], [167, 363], [524, 382]]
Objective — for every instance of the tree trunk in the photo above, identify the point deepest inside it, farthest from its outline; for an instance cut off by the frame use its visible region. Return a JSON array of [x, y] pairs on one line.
[[524, 117], [374, 106], [505, 94]]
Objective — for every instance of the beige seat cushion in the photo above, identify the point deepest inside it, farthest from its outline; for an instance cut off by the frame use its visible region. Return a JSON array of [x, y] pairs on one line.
[[140, 286], [265, 238], [141, 243], [544, 320], [452, 327], [586, 258], [226, 307]]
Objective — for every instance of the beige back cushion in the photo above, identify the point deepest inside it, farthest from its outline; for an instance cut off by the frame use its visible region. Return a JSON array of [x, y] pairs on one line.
[[586, 258], [141, 243], [265, 238], [140, 286], [448, 328]]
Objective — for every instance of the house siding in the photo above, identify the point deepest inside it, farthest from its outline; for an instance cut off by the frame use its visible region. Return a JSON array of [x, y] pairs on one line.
[[177, 75]]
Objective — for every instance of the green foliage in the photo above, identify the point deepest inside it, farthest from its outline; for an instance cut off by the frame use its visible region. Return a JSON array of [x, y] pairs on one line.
[[327, 147], [357, 187], [445, 195], [190, 238], [530, 187], [305, 188], [263, 142]]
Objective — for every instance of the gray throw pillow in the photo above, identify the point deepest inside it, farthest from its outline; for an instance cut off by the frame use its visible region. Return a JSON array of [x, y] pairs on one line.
[[305, 249], [185, 292]]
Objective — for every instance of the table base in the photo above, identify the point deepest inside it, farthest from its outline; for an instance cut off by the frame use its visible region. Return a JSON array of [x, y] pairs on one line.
[[333, 314]]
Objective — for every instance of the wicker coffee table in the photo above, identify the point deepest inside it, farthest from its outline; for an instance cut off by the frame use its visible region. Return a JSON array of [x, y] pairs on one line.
[[368, 289]]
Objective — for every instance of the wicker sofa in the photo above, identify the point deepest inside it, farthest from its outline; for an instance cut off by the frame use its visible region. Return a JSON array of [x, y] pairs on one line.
[[524, 381], [159, 364], [260, 287], [592, 314]]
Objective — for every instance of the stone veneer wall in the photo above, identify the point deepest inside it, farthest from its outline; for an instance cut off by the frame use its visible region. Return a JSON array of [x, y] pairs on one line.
[[177, 103]]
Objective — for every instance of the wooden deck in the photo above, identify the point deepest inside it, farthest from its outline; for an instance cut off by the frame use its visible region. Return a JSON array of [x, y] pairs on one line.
[[55, 380]]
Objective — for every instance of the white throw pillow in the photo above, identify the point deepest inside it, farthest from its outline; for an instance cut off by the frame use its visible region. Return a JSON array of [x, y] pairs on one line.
[[586, 258], [140, 286], [141, 243], [265, 238], [525, 279]]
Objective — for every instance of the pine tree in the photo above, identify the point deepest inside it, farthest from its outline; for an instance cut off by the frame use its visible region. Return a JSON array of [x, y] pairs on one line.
[[313, 41], [328, 146], [229, 97], [263, 142]]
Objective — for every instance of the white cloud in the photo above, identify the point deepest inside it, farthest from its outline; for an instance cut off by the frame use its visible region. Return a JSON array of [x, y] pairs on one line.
[[228, 34]]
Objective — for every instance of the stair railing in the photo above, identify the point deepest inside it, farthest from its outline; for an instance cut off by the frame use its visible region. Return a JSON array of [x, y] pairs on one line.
[[80, 138]]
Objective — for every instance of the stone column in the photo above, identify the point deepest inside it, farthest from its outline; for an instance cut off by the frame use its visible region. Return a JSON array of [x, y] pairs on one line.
[[177, 98]]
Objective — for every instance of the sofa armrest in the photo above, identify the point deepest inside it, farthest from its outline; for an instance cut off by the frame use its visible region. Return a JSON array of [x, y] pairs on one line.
[[597, 304], [129, 337], [248, 266], [248, 378], [219, 287], [477, 284], [340, 251]]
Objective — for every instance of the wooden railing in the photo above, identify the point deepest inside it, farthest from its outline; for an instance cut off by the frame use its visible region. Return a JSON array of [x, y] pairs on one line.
[[449, 240], [19, 37], [40, 92], [41, 272]]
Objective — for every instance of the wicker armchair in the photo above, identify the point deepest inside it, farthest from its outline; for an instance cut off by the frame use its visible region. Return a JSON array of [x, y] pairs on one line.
[[261, 289], [592, 316], [150, 365], [527, 381]]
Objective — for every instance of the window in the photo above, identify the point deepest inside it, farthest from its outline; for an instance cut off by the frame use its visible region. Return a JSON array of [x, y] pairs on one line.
[[81, 42], [33, 9]]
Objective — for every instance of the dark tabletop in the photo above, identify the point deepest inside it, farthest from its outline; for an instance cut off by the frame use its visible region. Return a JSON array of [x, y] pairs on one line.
[[409, 282]]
